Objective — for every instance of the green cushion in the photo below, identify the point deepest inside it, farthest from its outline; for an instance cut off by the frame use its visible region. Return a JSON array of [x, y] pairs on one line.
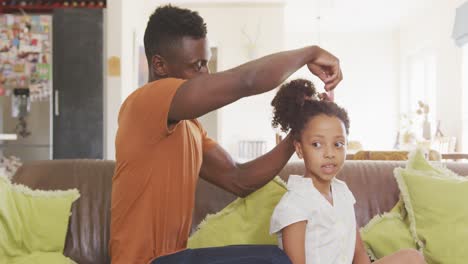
[[244, 221], [377, 239], [32, 222], [42, 258], [418, 162], [435, 199]]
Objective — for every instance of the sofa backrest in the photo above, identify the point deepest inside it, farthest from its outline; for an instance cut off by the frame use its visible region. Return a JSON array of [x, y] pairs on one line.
[[88, 231], [371, 182]]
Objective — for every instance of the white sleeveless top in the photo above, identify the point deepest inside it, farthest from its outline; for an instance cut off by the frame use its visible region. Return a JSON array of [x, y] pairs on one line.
[[330, 230]]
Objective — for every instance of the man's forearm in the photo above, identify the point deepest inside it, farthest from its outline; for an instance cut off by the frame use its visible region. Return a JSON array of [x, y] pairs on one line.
[[254, 174], [209, 92], [268, 72]]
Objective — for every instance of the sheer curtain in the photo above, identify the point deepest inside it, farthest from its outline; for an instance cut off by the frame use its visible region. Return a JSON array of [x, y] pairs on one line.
[[420, 85], [465, 99]]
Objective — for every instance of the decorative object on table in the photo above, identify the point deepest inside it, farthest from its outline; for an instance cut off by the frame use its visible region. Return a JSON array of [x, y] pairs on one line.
[[354, 146], [415, 128], [438, 132], [396, 145], [423, 110], [444, 144], [407, 131]]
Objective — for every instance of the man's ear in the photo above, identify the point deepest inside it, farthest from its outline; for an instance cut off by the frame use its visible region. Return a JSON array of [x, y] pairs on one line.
[[298, 148], [159, 66]]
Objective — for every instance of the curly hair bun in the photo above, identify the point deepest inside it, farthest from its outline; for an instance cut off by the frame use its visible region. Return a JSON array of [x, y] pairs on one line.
[[289, 101]]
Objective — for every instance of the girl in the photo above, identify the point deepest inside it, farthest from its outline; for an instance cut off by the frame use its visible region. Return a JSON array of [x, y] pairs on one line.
[[315, 220]]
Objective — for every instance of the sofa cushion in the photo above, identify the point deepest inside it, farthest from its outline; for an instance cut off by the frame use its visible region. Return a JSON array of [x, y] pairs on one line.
[[438, 214], [43, 258], [33, 222], [379, 242], [244, 221], [88, 232], [435, 199]]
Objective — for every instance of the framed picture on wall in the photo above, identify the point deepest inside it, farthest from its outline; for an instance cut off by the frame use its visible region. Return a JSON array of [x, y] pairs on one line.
[[142, 67], [213, 63]]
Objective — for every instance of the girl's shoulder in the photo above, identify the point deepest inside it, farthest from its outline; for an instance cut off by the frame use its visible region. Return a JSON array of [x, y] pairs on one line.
[[292, 208], [299, 196], [342, 189]]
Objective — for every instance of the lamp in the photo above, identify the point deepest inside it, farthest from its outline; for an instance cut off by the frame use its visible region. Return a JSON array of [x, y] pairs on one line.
[[460, 27]]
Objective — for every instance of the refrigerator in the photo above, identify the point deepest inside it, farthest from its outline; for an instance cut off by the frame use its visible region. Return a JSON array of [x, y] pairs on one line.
[[26, 86]]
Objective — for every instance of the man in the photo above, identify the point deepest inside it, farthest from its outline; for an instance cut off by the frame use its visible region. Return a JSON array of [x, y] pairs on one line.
[[161, 149]]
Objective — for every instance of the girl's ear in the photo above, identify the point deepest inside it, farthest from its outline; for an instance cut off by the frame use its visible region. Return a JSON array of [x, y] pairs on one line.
[[298, 147]]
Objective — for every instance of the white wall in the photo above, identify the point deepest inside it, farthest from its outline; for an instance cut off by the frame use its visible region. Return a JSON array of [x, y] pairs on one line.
[[464, 142], [370, 61], [430, 27], [126, 22], [249, 118], [121, 27], [369, 90]]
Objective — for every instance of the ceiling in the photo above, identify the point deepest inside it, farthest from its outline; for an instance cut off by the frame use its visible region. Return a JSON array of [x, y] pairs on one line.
[[335, 15]]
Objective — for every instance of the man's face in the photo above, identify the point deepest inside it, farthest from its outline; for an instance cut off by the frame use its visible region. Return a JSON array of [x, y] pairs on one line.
[[190, 59]]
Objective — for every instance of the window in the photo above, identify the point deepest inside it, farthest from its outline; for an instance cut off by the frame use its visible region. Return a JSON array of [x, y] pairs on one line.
[[465, 99], [420, 85]]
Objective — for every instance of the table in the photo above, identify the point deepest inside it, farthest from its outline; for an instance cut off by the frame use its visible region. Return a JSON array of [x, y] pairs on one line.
[[445, 156], [454, 156]]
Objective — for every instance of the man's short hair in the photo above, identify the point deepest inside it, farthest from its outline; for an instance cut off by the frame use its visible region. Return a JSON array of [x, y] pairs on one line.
[[167, 25]]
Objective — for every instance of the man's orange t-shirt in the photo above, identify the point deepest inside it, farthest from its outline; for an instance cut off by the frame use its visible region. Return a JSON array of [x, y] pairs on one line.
[[153, 188]]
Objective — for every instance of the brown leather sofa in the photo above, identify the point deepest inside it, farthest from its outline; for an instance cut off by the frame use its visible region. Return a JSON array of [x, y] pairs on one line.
[[372, 183]]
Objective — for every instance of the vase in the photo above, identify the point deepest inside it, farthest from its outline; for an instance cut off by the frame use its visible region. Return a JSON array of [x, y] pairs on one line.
[[426, 129]]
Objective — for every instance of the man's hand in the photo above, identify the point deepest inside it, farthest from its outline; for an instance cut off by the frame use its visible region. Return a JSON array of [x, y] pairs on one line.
[[328, 96], [327, 68]]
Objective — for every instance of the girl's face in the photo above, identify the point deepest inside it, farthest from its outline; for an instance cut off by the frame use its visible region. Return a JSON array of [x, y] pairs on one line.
[[323, 147]]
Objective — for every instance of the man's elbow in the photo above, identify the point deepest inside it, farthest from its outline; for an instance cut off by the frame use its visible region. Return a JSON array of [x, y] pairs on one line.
[[242, 190], [244, 193]]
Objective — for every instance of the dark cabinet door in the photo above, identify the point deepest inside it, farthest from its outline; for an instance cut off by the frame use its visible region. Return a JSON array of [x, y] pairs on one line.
[[78, 83]]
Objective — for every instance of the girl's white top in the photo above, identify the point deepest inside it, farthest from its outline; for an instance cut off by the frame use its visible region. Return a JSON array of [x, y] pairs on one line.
[[330, 230]]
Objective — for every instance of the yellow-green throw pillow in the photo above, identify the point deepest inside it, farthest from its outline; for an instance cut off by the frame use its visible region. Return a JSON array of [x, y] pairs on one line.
[[435, 199], [418, 162], [42, 258], [32, 222], [244, 221], [386, 234], [377, 240]]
